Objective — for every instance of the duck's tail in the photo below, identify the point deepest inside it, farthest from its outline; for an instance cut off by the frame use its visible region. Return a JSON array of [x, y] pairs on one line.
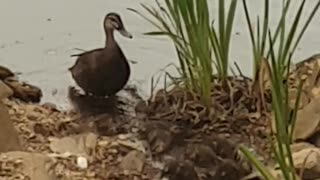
[[76, 55], [79, 54]]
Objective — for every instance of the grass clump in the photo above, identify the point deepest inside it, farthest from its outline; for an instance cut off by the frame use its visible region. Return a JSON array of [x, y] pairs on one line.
[[202, 46], [197, 41]]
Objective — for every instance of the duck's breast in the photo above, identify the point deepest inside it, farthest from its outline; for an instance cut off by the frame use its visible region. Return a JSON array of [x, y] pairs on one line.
[[114, 71]]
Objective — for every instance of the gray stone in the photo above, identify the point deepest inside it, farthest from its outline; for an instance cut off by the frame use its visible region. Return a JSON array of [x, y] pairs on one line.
[[133, 161]]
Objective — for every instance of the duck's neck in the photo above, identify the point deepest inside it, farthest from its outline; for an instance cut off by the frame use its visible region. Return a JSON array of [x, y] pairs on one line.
[[110, 38]]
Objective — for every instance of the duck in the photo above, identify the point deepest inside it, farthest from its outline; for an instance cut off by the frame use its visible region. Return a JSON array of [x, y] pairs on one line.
[[103, 71]]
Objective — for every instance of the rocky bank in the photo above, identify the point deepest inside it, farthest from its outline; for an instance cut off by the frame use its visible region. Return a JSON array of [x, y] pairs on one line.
[[168, 136]]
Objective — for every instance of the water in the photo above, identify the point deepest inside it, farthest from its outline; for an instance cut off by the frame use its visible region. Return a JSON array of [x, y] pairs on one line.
[[37, 38]]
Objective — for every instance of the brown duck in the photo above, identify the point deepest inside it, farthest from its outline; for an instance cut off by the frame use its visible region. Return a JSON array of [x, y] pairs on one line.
[[103, 71]]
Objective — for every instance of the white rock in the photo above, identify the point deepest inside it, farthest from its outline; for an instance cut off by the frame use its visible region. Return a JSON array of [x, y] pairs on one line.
[[82, 162]]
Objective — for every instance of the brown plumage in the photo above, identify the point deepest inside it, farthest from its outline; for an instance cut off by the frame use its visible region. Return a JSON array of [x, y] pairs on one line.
[[178, 170], [103, 71]]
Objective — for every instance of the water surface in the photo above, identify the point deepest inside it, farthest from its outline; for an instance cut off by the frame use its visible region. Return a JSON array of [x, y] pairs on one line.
[[37, 38]]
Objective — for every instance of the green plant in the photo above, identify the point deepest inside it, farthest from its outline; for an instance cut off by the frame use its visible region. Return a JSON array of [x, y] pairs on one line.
[[221, 35], [280, 60], [187, 24]]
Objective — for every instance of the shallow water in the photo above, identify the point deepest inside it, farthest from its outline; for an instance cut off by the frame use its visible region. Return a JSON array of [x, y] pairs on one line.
[[37, 38]]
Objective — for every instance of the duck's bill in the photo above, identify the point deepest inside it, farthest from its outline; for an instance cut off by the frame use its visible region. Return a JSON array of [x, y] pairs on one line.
[[125, 33]]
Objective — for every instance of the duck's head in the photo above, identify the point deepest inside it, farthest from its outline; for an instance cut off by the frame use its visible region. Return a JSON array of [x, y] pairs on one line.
[[112, 21]]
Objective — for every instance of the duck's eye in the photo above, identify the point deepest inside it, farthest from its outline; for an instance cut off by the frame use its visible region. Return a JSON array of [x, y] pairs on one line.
[[113, 19], [114, 22]]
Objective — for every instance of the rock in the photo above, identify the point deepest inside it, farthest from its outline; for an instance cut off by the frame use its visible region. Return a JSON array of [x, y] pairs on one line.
[[292, 96], [308, 120], [308, 160], [75, 145], [5, 73], [308, 70], [23, 91], [315, 92], [133, 161], [34, 165], [9, 139], [50, 106], [82, 162], [278, 174], [5, 91], [275, 172], [296, 147]]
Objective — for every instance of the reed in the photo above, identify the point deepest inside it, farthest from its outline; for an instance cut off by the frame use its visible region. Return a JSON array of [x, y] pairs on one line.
[[198, 42], [287, 41]]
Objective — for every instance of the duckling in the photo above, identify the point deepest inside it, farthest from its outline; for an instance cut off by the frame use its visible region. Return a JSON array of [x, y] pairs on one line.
[[175, 170], [103, 71]]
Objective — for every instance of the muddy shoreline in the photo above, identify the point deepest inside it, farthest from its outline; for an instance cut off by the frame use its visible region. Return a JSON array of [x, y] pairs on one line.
[[170, 135]]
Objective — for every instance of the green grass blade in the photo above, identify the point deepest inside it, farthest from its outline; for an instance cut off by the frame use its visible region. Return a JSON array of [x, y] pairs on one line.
[[229, 27], [249, 23], [265, 28], [309, 19], [292, 31]]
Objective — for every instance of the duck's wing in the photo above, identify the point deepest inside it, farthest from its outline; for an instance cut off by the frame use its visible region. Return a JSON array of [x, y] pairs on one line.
[[85, 59], [86, 52]]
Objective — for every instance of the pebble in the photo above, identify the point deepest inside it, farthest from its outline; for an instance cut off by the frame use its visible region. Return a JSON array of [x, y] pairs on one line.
[[113, 151], [82, 162], [32, 116]]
